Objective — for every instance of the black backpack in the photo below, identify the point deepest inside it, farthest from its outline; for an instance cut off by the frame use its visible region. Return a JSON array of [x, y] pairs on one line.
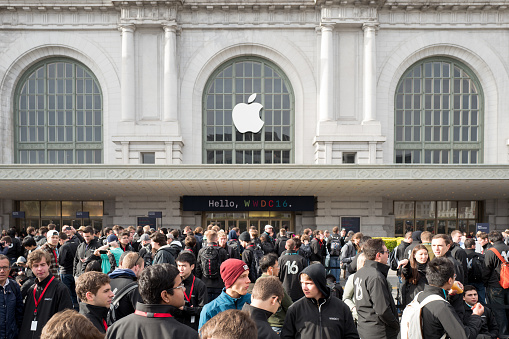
[[335, 246], [235, 246], [210, 264], [115, 302], [475, 267], [393, 260], [255, 264]]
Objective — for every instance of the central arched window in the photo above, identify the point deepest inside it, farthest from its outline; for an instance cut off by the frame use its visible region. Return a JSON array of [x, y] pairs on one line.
[[439, 114], [58, 115], [233, 83]]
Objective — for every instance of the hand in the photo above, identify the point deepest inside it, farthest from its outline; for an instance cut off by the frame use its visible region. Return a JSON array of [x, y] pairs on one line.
[[96, 253], [403, 263], [181, 308], [478, 309]]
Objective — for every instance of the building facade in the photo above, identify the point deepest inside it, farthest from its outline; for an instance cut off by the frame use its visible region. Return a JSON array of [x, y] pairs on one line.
[[380, 116]]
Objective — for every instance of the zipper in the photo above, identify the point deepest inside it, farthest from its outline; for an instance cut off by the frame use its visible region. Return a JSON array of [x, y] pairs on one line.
[[320, 316]]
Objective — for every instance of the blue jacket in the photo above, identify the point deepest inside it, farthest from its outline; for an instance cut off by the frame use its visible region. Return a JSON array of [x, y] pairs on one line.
[[222, 303], [11, 310]]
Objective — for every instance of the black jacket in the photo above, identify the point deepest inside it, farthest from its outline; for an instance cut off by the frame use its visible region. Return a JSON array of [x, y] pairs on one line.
[[401, 252], [280, 245], [459, 254], [164, 255], [119, 279], [440, 317], [328, 317], [260, 316], [216, 283], [377, 313], [196, 291], [457, 300], [84, 251], [138, 326], [409, 290], [492, 264], [66, 256], [318, 250], [146, 254], [55, 299], [489, 325], [96, 314], [290, 266], [248, 258]]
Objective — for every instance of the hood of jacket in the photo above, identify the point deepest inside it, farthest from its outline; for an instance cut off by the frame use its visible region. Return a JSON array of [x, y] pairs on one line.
[[122, 272], [416, 236], [232, 235], [317, 273]]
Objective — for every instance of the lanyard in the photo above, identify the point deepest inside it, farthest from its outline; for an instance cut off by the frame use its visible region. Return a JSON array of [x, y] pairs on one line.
[[55, 254], [40, 297], [153, 315], [190, 291], [105, 325]]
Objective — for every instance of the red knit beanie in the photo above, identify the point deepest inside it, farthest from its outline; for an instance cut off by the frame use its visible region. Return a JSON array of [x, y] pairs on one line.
[[231, 270]]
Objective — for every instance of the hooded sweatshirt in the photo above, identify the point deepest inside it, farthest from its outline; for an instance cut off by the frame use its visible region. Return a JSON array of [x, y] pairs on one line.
[[232, 235], [327, 317], [120, 278]]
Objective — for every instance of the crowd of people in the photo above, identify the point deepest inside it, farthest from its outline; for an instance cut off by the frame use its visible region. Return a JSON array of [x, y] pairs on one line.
[[147, 283]]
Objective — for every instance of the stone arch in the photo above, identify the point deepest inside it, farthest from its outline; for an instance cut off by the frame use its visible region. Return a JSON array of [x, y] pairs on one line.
[[474, 53], [203, 63]]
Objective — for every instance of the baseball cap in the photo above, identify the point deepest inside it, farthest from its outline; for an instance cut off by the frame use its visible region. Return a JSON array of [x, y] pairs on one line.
[[111, 238], [51, 233]]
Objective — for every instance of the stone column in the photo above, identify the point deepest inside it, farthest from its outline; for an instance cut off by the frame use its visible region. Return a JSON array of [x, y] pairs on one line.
[[369, 72], [170, 91], [127, 86], [326, 76]]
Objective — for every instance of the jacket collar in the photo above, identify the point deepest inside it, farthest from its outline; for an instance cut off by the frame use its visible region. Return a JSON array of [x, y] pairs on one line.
[[99, 311], [257, 313], [382, 268], [44, 282], [435, 290], [155, 308]]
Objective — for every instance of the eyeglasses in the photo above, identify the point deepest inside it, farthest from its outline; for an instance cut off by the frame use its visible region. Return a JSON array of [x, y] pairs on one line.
[[176, 288], [277, 299], [5, 268], [383, 252]]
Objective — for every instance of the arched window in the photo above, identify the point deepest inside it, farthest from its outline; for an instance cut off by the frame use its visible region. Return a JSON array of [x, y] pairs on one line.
[[234, 83], [58, 115], [438, 114]]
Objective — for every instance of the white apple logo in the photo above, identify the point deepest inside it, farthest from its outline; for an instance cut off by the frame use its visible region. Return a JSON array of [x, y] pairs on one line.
[[246, 117]]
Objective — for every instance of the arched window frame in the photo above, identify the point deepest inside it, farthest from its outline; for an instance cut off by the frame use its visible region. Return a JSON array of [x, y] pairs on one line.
[[450, 151], [217, 151], [85, 110]]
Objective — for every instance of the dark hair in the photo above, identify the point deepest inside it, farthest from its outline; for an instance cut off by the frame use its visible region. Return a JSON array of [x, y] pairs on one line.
[[62, 236], [190, 241], [446, 238], [372, 247], [158, 238], [469, 242], [90, 282], [439, 271], [69, 321], [267, 287], [495, 236], [415, 275], [267, 261], [186, 256], [467, 288], [155, 279], [297, 243], [230, 324], [89, 230], [125, 233], [94, 266]]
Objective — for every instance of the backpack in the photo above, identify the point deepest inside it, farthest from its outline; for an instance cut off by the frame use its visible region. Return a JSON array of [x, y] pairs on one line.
[[115, 302], [504, 270], [335, 246], [475, 267], [393, 260], [255, 263], [210, 262], [411, 320], [235, 246], [305, 251]]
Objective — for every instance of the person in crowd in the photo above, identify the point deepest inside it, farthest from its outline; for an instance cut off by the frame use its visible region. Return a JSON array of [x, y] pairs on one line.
[[376, 310], [401, 250], [230, 324], [175, 244], [441, 244], [416, 240], [475, 265], [291, 265], [222, 241], [71, 234], [266, 245], [353, 265], [342, 235], [266, 299], [190, 244], [348, 252], [280, 243], [270, 268], [65, 263], [210, 259], [51, 247], [349, 292], [195, 291], [269, 232], [426, 241], [413, 272], [318, 247], [439, 317], [489, 326], [124, 284], [29, 245], [305, 248], [11, 302], [41, 237], [45, 298], [235, 274], [498, 297], [108, 255], [484, 242], [69, 321], [198, 234], [146, 249], [334, 248], [162, 291], [85, 251], [161, 249], [124, 242], [251, 255], [94, 291], [458, 252], [336, 318], [233, 245]]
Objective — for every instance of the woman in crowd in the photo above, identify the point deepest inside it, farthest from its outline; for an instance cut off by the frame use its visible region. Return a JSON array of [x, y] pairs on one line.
[[413, 272]]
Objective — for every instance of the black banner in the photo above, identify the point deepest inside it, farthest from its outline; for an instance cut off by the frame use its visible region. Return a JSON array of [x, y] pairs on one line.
[[248, 203]]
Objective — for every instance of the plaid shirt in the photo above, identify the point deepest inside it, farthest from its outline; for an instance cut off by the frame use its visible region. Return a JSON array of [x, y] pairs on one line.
[[53, 267]]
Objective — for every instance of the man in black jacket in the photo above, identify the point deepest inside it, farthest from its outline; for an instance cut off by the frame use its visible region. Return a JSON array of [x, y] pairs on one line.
[[401, 252], [65, 262], [439, 317], [498, 297], [377, 313], [122, 279], [475, 265], [281, 242], [162, 252], [318, 315], [196, 291], [265, 301], [318, 247], [291, 265], [94, 291], [489, 326], [459, 253], [85, 251], [162, 291], [208, 266]]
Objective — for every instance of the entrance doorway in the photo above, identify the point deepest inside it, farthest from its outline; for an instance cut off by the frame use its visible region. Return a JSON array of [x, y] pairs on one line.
[[244, 220]]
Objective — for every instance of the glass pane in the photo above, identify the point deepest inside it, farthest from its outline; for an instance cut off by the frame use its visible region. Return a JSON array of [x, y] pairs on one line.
[[447, 209], [69, 208], [94, 208], [50, 208], [424, 209], [404, 209], [31, 208]]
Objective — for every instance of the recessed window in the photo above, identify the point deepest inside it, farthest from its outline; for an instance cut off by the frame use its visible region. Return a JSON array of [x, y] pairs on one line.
[[349, 158], [148, 158]]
